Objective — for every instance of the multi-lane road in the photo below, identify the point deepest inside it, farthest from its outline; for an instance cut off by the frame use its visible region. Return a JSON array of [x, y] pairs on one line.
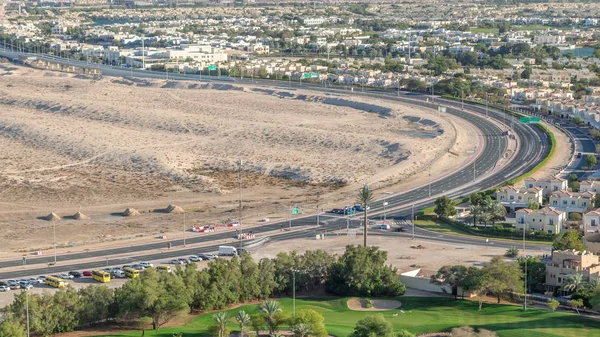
[[483, 173]]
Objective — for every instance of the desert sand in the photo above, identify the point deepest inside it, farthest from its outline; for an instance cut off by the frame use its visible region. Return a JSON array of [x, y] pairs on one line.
[[75, 144]]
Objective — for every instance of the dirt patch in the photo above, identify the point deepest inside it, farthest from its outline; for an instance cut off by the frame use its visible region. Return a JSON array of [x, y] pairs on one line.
[[361, 304]]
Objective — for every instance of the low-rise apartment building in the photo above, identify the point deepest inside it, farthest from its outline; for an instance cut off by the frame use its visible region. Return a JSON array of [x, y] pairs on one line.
[[589, 185], [572, 201], [591, 221], [513, 198], [548, 185], [568, 262], [547, 219]]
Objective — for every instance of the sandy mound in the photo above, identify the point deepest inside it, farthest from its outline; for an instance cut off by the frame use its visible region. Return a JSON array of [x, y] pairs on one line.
[[131, 212], [52, 217], [80, 216], [360, 304], [174, 209]]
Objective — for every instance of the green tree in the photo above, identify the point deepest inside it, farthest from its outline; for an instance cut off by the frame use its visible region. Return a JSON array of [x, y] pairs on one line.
[[364, 197], [363, 272], [512, 251], [595, 298], [536, 272], [271, 311], [373, 325], [404, 333], [160, 296], [526, 74], [452, 276], [221, 319], [444, 207], [257, 322], [590, 160], [533, 205], [596, 201], [574, 282], [569, 239], [553, 304], [97, 304], [243, 320], [313, 320], [577, 120], [502, 277], [12, 328], [575, 304], [300, 329]]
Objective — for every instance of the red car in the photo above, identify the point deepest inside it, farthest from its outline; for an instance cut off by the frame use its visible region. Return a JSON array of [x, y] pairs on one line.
[[87, 273]]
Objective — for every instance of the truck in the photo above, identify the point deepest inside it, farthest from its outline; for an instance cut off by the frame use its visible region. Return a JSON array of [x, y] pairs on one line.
[[227, 251]]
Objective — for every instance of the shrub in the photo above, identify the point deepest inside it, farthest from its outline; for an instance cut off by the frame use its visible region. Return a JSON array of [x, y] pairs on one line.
[[574, 216], [553, 304], [513, 251]]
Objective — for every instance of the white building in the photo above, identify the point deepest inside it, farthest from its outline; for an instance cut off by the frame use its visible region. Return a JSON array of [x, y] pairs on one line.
[[514, 198], [589, 185], [572, 201], [548, 185], [549, 39], [547, 219], [314, 21]]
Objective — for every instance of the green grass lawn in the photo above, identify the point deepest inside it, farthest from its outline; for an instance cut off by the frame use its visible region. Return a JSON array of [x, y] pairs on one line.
[[422, 314], [484, 30]]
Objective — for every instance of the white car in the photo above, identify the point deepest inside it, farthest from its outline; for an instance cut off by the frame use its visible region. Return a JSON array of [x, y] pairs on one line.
[[146, 264], [194, 258], [65, 276], [4, 288]]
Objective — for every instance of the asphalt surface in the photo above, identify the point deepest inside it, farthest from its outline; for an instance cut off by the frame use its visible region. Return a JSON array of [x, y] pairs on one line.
[[532, 148]]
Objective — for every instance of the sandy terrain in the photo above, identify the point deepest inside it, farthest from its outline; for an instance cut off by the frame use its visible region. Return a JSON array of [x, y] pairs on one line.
[[359, 304], [75, 144]]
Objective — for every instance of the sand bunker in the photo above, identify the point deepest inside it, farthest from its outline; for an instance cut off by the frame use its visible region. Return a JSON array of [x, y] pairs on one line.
[[52, 217], [173, 209], [131, 212], [80, 216], [360, 304]]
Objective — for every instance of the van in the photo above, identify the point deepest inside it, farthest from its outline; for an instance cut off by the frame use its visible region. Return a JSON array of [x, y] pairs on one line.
[[227, 251], [163, 269], [118, 273]]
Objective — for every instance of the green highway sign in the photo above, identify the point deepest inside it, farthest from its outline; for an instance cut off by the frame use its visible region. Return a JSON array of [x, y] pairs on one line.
[[528, 120], [296, 211], [212, 67], [306, 75], [314, 74]]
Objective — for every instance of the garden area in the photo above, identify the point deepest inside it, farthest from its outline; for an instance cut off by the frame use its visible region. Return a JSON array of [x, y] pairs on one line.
[[417, 314]]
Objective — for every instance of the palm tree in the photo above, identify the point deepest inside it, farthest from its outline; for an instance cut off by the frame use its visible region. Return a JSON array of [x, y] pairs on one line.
[[270, 309], [221, 319], [364, 197], [243, 319], [574, 282], [475, 211], [300, 330]]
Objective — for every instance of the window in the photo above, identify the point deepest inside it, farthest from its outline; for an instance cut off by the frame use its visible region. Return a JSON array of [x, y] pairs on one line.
[[556, 188], [554, 203], [520, 198], [512, 197], [501, 197], [584, 204], [559, 280], [549, 231], [572, 202], [593, 223], [564, 202], [551, 222]]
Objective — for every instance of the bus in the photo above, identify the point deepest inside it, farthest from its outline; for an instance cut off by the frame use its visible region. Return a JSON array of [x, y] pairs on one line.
[[55, 282], [101, 276], [163, 269], [131, 273]]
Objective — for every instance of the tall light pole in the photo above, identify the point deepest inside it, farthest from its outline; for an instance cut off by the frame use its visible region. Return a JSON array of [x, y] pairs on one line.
[[413, 221], [430, 181], [184, 228], [474, 160], [240, 198], [525, 290], [385, 203], [27, 309], [294, 291], [54, 232]]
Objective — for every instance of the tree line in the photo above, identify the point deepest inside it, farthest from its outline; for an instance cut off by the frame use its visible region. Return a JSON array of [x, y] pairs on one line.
[[156, 298]]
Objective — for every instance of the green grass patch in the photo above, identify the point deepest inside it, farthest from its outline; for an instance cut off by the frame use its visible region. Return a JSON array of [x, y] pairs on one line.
[[484, 30], [422, 314], [439, 227]]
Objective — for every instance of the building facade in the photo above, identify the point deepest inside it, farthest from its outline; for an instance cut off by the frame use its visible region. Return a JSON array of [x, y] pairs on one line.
[[568, 262], [514, 198], [548, 185], [547, 219]]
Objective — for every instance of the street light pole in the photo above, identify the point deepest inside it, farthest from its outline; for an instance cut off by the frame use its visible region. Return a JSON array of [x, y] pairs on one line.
[[27, 309], [413, 221], [54, 232], [294, 291], [525, 290], [183, 228], [240, 198]]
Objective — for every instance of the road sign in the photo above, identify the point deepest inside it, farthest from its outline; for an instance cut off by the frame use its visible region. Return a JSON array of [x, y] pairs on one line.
[[24, 260], [306, 75], [314, 75], [296, 210], [212, 67], [527, 120], [441, 109]]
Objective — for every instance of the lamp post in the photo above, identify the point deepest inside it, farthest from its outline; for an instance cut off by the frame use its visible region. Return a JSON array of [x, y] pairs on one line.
[[240, 198], [413, 221], [27, 309], [385, 203], [184, 228], [294, 291], [54, 232]]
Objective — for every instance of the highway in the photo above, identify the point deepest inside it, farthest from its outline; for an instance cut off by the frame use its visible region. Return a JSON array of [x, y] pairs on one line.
[[532, 148]]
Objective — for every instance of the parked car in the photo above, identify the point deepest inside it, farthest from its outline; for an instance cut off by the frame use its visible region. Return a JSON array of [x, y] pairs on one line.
[[183, 261], [75, 274], [195, 258], [337, 211], [348, 210], [579, 155], [400, 229], [146, 264], [33, 280], [11, 282], [138, 267], [65, 276], [4, 288], [207, 256], [41, 279], [87, 273], [2, 283], [14, 286], [384, 226], [358, 208], [25, 285], [118, 273]]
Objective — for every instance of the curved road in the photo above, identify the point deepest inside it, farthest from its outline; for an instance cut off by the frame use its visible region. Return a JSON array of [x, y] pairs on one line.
[[532, 148]]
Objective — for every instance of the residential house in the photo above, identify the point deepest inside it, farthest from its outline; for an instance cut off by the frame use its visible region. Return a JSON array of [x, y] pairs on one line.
[[568, 262], [572, 201], [514, 198], [547, 219], [591, 221], [589, 185], [548, 185]]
